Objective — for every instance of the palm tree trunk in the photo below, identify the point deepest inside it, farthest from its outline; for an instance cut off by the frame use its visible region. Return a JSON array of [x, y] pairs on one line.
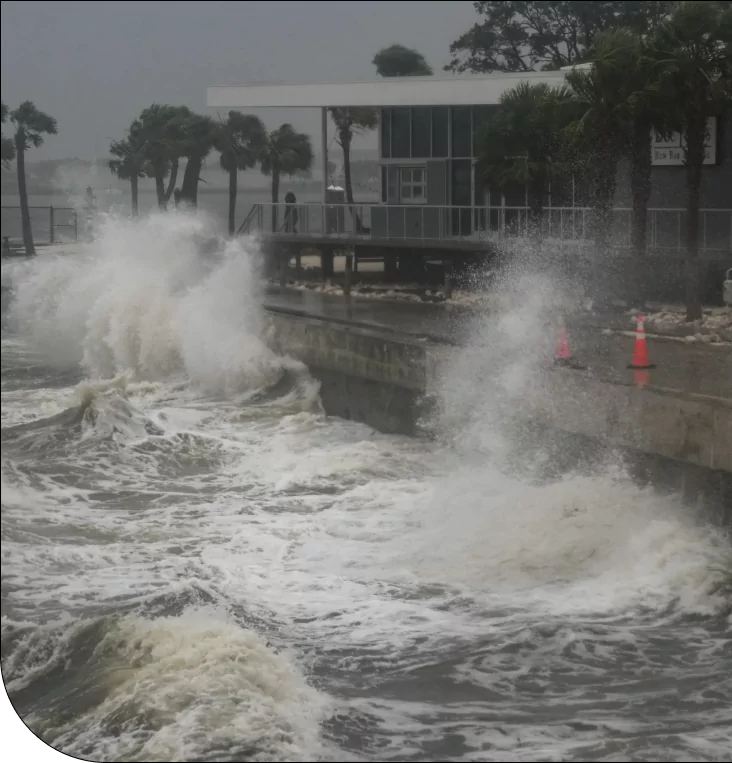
[[345, 140], [602, 207], [160, 187], [345, 137], [232, 200], [275, 196], [640, 183], [536, 206], [23, 193], [172, 179], [133, 188], [695, 133], [189, 189]]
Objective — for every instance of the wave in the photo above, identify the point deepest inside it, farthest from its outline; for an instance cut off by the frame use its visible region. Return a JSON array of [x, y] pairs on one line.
[[156, 297], [197, 686]]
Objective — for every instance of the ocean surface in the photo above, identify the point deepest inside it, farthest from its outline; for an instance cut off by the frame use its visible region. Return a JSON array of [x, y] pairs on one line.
[[199, 565]]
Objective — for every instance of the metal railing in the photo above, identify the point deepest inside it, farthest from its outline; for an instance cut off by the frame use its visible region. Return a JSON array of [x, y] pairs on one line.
[[564, 226], [50, 225]]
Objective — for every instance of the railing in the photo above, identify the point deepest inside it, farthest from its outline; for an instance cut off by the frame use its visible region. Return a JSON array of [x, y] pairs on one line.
[[50, 225], [564, 226]]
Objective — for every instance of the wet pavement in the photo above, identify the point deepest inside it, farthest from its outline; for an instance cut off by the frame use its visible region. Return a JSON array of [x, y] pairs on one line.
[[690, 368]]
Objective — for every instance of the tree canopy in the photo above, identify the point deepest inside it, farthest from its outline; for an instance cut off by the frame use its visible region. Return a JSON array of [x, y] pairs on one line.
[[31, 125], [129, 155], [240, 140], [400, 61], [524, 36], [8, 147], [522, 143]]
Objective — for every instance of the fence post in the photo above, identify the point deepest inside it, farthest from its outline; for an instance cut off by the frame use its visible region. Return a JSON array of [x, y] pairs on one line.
[[52, 238], [347, 276], [76, 226]]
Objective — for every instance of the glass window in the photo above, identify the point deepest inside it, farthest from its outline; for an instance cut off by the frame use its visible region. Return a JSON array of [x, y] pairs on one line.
[[412, 185], [421, 132], [386, 133], [461, 185], [439, 131], [384, 187], [462, 131], [400, 133]]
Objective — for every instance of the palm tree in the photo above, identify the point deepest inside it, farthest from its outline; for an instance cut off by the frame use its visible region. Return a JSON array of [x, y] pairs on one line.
[[600, 105], [285, 152], [8, 147], [130, 160], [522, 144], [240, 141], [693, 53], [30, 127], [350, 122], [647, 112], [198, 135], [161, 132], [398, 61]]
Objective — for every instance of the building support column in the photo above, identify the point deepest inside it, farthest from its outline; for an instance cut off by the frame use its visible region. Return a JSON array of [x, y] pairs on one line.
[[326, 262], [390, 265], [324, 150]]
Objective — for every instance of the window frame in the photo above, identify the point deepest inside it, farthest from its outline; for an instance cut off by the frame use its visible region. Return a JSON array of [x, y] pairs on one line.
[[412, 184]]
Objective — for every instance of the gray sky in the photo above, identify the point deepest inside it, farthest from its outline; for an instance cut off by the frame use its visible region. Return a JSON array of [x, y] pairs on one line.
[[96, 65]]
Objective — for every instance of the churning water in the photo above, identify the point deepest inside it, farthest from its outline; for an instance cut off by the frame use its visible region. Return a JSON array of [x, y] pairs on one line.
[[198, 564]]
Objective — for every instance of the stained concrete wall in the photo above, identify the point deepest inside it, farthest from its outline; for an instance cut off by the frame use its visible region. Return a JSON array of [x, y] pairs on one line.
[[388, 380]]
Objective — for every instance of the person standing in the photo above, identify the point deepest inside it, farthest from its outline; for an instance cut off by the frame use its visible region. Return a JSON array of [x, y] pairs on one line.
[[290, 212]]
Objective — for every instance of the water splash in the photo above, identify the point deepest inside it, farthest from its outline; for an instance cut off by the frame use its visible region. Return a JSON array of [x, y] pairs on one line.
[[156, 297]]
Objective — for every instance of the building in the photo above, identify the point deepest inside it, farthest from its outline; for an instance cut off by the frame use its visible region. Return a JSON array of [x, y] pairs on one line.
[[436, 200]]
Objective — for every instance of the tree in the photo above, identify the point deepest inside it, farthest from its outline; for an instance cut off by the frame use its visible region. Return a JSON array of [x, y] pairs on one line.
[[398, 61], [162, 134], [645, 111], [350, 122], [285, 152], [522, 143], [130, 160], [599, 104], [196, 137], [240, 140], [30, 127], [8, 147], [693, 53], [523, 36]]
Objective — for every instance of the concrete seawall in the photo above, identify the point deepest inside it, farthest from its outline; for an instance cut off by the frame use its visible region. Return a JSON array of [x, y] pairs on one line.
[[392, 382]]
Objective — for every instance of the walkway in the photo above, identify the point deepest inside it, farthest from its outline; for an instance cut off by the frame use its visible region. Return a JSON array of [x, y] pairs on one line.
[[700, 369]]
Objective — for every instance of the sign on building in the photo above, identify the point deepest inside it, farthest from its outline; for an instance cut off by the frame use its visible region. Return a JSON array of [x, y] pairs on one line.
[[671, 152]]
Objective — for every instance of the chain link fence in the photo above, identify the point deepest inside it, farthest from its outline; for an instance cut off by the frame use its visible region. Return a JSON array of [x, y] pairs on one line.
[[50, 225]]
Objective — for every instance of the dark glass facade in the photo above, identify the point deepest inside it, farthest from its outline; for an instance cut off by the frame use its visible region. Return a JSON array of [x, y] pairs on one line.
[[401, 127], [421, 133], [462, 131], [439, 131]]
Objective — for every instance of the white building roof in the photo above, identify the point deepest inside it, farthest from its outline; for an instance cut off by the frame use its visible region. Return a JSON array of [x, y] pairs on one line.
[[392, 91]]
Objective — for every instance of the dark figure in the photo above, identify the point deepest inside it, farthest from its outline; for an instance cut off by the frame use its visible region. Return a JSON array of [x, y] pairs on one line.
[[290, 213], [90, 211]]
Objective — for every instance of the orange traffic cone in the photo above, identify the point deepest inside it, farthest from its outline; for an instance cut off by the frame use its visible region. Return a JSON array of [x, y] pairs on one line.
[[640, 355], [564, 354]]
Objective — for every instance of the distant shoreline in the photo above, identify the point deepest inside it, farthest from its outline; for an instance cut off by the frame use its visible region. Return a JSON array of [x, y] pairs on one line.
[[52, 191]]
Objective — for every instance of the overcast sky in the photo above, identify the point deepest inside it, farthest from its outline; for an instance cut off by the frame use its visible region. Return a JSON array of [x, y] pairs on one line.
[[96, 65]]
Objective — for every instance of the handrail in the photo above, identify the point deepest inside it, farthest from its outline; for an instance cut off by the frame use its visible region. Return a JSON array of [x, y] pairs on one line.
[[560, 226], [244, 227]]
